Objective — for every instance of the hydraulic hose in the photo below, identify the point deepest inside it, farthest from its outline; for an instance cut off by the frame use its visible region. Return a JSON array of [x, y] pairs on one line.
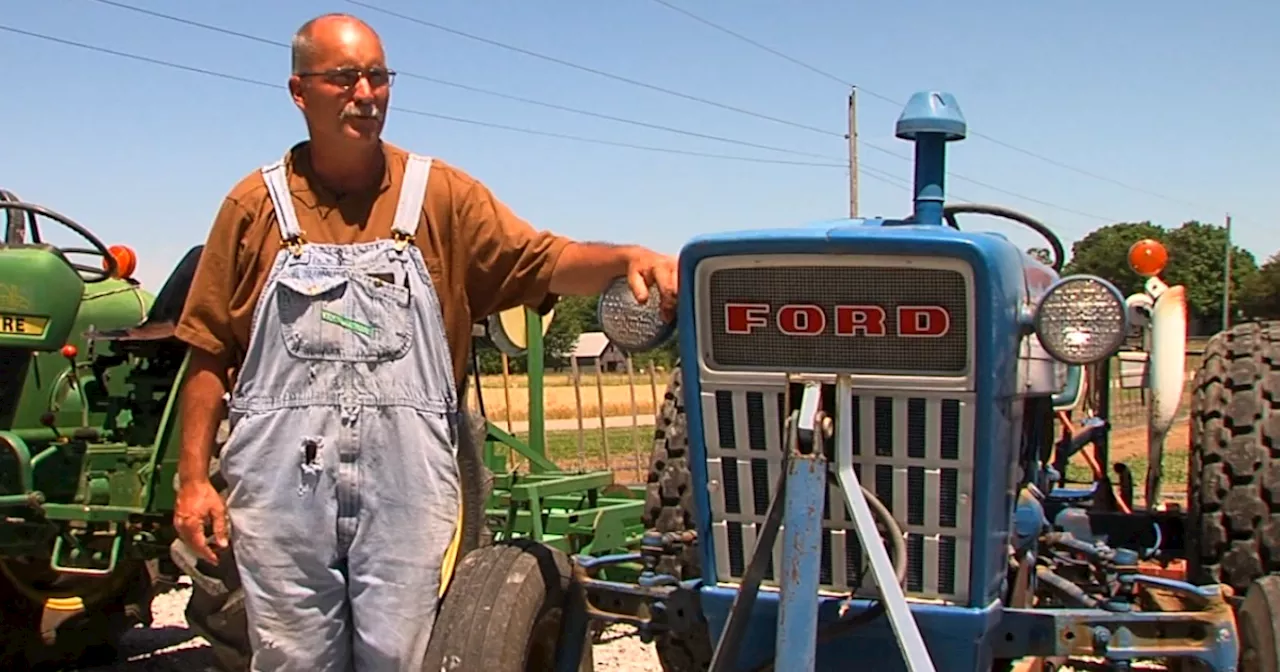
[[898, 544]]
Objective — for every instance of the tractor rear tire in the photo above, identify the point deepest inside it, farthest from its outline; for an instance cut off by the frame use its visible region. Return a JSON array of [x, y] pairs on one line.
[[216, 609], [504, 610], [1259, 622], [1233, 534], [111, 606], [669, 508]]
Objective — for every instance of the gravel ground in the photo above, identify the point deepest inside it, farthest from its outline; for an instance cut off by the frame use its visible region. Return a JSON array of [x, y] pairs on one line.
[[168, 646]]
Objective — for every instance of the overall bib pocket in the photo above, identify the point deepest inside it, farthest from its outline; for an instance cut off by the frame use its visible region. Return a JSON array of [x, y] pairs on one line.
[[345, 317]]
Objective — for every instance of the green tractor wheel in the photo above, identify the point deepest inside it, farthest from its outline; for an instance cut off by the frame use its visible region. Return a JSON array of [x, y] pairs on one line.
[[52, 620]]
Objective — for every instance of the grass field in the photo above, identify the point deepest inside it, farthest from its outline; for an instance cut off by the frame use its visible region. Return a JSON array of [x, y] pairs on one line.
[[563, 449], [561, 399]]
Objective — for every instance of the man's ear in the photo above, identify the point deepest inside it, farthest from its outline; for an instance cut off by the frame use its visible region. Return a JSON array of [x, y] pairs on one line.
[[295, 92]]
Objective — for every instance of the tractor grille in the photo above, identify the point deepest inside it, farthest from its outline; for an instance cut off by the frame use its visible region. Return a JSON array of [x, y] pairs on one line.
[[913, 451], [878, 286]]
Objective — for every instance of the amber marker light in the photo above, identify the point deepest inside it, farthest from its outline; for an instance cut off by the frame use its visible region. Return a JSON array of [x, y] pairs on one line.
[[1148, 257], [126, 261]]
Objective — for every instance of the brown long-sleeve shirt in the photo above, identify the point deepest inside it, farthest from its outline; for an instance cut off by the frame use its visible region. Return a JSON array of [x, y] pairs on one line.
[[481, 257]]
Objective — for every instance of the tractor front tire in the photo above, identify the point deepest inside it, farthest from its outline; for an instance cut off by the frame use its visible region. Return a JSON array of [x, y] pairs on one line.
[[216, 609], [1233, 534], [669, 508], [108, 608], [504, 610]]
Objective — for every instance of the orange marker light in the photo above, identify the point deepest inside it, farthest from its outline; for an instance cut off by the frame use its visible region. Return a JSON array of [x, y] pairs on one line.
[[1148, 257], [126, 261]]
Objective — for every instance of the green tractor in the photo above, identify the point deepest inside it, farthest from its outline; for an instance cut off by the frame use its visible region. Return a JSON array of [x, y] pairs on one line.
[[89, 443], [86, 425]]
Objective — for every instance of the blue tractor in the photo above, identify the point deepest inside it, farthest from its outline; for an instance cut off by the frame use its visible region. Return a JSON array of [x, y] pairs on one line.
[[861, 464]]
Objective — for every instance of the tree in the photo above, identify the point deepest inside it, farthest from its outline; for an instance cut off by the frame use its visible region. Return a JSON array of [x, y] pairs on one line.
[[1105, 253], [574, 315], [1196, 252], [1195, 260], [1260, 296]]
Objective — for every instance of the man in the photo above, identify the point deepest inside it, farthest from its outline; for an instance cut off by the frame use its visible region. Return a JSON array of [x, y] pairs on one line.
[[340, 284]]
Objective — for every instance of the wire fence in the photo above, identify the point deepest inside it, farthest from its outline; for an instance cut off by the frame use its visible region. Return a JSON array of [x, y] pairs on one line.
[[600, 415]]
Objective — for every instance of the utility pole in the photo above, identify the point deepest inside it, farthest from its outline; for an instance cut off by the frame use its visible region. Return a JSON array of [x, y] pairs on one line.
[[853, 152], [1226, 280]]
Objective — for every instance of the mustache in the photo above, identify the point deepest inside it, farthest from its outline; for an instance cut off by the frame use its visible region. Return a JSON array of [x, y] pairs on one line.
[[361, 111]]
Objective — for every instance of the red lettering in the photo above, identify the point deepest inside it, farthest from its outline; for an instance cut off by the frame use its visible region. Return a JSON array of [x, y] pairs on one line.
[[923, 321], [860, 321], [741, 318], [849, 320], [801, 320]]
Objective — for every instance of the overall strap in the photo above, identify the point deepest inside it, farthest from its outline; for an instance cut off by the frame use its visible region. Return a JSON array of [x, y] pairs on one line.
[[413, 190], [282, 198]]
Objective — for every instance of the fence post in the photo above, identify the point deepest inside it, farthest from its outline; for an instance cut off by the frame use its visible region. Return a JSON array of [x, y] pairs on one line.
[[635, 418], [506, 391], [577, 395], [604, 425]]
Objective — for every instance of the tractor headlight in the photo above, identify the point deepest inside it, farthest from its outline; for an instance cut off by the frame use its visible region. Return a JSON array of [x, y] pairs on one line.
[[1082, 319], [628, 324]]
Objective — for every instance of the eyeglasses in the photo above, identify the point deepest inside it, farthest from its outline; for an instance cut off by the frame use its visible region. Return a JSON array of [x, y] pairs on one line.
[[348, 77]]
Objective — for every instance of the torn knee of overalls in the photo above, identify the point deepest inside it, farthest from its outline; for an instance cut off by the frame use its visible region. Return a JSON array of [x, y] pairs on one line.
[[311, 462], [311, 453]]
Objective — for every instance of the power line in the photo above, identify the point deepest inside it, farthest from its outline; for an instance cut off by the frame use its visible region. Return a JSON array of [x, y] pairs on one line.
[[596, 71], [759, 45], [481, 90], [646, 85], [422, 113], [888, 99], [871, 172], [887, 178]]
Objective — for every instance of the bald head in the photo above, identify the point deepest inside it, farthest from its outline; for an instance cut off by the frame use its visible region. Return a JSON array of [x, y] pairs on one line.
[[340, 80], [328, 32]]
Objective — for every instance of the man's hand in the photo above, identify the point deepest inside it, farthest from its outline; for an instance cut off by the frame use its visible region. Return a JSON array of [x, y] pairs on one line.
[[646, 267], [199, 503], [587, 268]]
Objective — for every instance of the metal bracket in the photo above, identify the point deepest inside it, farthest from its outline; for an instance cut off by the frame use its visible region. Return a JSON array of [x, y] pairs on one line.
[[725, 656], [59, 547], [904, 625]]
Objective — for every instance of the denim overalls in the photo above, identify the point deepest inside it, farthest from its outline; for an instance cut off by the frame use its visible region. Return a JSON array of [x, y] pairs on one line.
[[344, 496]]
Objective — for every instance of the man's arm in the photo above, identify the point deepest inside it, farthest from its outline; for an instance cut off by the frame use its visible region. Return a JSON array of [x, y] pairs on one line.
[[588, 268], [205, 326], [510, 263], [202, 409]]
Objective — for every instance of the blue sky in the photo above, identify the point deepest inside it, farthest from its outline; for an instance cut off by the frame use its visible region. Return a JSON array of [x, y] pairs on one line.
[[1176, 98]]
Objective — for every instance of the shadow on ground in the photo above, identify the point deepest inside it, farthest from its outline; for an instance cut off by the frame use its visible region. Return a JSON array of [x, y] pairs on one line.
[[165, 649]]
